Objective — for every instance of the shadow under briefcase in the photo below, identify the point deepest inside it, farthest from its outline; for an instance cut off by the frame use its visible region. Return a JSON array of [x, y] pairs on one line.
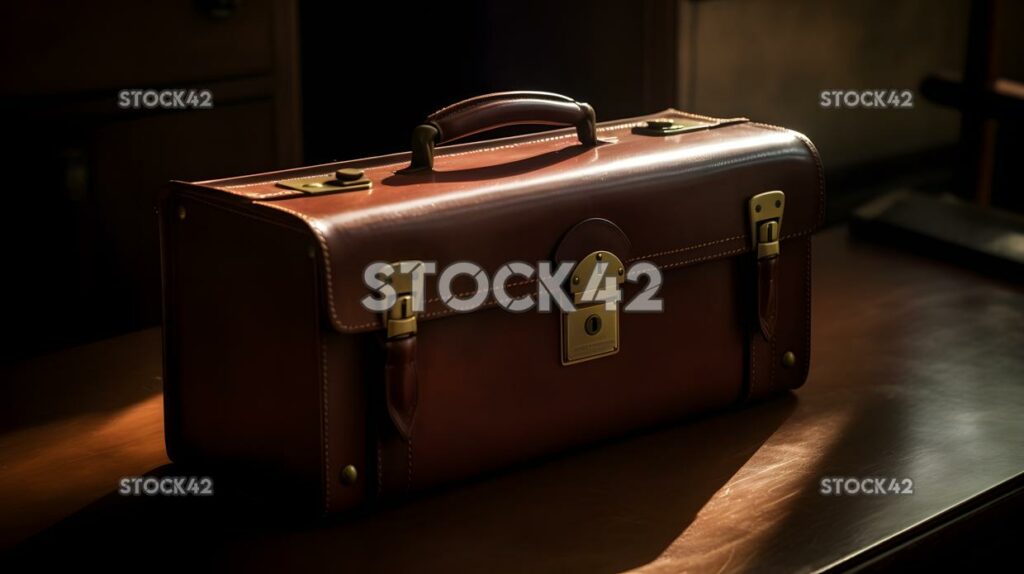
[[370, 328]]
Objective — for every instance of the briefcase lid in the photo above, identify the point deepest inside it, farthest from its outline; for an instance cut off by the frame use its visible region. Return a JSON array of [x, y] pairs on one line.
[[680, 197]]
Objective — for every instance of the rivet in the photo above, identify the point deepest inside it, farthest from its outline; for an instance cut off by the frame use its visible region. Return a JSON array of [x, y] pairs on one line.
[[349, 474], [576, 280], [600, 256], [788, 359], [348, 174], [757, 208], [778, 203], [181, 212], [621, 271]]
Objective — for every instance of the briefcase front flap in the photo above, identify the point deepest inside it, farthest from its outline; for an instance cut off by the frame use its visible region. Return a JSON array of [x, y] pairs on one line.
[[675, 199]]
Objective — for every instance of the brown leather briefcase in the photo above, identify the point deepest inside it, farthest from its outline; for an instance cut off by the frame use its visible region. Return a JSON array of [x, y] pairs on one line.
[[280, 359]]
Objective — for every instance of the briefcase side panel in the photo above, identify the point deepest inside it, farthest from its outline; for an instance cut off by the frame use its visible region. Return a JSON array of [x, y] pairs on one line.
[[244, 374]]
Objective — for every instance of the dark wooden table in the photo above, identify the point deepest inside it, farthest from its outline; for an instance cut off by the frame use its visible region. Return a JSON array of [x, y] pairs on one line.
[[918, 373]]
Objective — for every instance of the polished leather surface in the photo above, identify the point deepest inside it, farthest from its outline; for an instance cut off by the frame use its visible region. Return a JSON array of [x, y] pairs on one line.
[[476, 392], [917, 373], [589, 235]]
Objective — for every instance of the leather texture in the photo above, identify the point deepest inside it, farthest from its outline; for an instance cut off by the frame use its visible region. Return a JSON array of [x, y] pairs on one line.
[[590, 235], [474, 392]]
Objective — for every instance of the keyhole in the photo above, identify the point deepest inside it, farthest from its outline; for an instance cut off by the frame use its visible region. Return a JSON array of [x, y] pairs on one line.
[[592, 325]]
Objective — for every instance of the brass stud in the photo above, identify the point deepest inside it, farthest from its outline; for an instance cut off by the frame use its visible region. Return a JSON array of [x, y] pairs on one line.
[[621, 271], [788, 359], [181, 212], [348, 174], [576, 280], [349, 474], [600, 256]]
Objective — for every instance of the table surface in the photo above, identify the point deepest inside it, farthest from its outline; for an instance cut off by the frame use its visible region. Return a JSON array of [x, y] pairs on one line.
[[917, 373]]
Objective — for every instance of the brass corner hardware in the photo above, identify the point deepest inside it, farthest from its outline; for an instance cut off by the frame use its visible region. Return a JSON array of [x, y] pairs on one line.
[[592, 330], [766, 211]]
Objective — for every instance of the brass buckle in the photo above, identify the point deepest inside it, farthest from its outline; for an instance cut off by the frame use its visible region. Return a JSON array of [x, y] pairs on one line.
[[401, 318], [592, 330], [766, 211]]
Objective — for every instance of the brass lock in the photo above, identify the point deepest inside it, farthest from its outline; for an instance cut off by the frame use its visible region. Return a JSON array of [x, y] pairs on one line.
[[766, 210], [592, 330]]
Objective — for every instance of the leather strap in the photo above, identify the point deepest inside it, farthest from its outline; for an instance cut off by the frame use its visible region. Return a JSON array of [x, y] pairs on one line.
[[762, 357], [396, 428], [767, 295]]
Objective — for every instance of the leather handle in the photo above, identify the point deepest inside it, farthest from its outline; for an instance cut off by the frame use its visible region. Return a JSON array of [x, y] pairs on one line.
[[492, 111]]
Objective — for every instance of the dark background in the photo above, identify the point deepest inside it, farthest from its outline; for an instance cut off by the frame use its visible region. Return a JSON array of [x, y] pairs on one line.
[[296, 83]]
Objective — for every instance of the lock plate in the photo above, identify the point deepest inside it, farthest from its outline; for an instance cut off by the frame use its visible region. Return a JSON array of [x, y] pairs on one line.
[[342, 180], [592, 330], [766, 210]]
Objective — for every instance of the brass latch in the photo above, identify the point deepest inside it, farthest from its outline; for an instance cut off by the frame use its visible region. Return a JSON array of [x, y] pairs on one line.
[[674, 126], [592, 330], [401, 318], [766, 222], [347, 179]]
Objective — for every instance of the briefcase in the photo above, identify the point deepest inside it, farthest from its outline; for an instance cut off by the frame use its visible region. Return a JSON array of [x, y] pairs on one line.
[[359, 331]]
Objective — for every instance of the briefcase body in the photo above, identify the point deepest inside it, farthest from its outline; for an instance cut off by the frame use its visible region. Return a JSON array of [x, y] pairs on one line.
[[279, 360]]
